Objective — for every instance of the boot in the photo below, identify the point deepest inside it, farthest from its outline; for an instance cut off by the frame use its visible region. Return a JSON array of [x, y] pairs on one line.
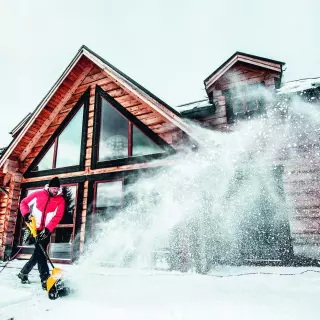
[[24, 278], [44, 284]]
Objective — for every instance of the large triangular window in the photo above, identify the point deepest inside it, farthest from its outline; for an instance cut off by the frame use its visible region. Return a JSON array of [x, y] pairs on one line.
[[142, 145], [65, 149], [119, 135], [115, 135]]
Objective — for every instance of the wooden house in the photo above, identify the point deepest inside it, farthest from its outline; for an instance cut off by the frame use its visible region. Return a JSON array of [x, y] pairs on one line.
[[96, 128]]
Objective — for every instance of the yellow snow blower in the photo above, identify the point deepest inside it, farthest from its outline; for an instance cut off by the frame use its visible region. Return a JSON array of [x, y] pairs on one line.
[[55, 286]]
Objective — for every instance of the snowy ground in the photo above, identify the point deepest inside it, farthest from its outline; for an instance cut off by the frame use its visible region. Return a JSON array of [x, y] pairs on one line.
[[134, 294]]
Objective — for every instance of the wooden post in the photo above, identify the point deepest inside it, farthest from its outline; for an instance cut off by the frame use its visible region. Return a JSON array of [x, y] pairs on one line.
[[10, 218], [83, 216]]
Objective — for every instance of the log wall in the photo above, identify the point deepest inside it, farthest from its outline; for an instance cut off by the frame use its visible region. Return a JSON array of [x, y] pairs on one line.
[[302, 188]]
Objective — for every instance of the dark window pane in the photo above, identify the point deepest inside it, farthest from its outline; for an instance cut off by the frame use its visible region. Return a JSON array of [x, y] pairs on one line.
[[69, 194], [142, 145], [108, 201], [69, 142], [252, 97], [113, 142], [238, 104], [61, 243], [109, 194], [46, 162]]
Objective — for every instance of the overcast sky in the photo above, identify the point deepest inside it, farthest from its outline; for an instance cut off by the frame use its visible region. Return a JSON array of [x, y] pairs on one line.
[[168, 46]]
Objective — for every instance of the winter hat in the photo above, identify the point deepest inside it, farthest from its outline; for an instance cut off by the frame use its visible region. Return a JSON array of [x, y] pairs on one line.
[[55, 182]]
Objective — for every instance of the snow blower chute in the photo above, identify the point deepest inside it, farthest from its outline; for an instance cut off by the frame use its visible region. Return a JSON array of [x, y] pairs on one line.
[[55, 285]]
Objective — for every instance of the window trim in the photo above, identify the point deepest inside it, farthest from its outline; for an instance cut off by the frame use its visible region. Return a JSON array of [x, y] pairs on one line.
[[132, 120], [83, 101], [129, 177], [229, 95], [94, 207], [79, 183]]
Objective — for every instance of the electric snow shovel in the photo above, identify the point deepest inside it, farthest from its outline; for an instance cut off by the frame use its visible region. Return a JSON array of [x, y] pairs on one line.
[[55, 286]]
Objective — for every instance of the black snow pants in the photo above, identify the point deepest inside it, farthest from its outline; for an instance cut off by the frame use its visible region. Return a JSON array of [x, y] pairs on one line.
[[40, 258]]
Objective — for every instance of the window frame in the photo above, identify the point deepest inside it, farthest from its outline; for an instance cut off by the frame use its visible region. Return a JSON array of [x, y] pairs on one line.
[[53, 140], [230, 95], [75, 181], [94, 200], [132, 120]]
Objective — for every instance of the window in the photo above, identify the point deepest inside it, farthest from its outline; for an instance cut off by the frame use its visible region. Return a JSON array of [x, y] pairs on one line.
[[107, 202], [119, 138], [62, 238], [65, 150], [244, 101], [113, 142], [142, 145]]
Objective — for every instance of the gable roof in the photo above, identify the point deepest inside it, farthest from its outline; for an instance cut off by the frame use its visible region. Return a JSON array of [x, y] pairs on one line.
[[132, 86], [246, 58]]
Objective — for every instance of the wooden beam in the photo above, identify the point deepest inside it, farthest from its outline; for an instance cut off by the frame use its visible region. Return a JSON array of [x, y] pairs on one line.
[[10, 166], [54, 113]]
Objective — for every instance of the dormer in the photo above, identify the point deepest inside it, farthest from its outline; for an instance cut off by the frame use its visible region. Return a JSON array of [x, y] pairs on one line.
[[234, 86]]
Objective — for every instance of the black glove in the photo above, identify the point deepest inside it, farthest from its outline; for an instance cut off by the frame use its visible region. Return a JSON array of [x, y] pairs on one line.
[[28, 239], [27, 217], [26, 235], [44, 234]]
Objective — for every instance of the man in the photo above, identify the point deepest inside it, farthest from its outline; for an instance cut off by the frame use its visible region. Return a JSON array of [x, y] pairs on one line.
[[47, 207]]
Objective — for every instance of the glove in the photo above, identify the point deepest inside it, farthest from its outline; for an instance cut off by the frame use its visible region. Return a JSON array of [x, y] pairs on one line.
[[27, 217], [44, 234], [26, 235], [28, 239]]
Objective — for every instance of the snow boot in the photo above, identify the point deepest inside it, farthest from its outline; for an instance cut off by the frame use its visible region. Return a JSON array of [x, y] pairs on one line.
[[44, 284], [24, 278]]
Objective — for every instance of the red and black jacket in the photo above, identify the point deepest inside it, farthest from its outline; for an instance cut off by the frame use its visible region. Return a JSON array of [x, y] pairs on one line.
[[47, 210]]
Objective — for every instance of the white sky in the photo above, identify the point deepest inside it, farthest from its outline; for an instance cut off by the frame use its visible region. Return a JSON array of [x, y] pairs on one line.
[[168, 46]]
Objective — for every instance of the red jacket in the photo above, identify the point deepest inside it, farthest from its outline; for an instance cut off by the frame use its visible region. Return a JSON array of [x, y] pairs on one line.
[[47, 210]]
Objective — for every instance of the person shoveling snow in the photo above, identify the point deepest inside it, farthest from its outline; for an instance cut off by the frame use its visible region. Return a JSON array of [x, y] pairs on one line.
[[42, 211]]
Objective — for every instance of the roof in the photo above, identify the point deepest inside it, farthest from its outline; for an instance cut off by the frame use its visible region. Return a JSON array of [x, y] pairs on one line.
[[299, 85], [132, 86], [243, 57], [196, 109], [131, 81], [2, 150], [20, 125]]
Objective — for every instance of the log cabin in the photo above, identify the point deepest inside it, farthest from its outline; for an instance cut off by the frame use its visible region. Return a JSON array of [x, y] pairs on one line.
[[96, 128]]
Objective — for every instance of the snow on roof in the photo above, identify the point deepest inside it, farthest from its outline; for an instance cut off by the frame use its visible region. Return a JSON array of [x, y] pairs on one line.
[[193, 106], [299, 85]]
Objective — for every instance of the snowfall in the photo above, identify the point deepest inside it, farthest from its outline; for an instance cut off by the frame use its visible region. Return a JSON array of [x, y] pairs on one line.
[[243, 293]]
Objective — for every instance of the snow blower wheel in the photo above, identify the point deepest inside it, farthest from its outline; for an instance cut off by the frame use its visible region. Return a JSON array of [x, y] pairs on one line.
[[59, 289], [53, 293]]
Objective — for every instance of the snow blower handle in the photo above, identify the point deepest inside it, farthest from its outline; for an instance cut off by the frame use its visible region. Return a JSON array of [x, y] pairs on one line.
[[32, 226]]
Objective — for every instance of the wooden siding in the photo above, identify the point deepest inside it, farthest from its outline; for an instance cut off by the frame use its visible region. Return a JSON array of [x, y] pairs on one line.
[[20, 151], [9, 212], [301, 184]]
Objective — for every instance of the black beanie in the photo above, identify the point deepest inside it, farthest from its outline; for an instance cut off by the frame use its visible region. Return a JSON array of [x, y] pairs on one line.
[[55, 182]]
